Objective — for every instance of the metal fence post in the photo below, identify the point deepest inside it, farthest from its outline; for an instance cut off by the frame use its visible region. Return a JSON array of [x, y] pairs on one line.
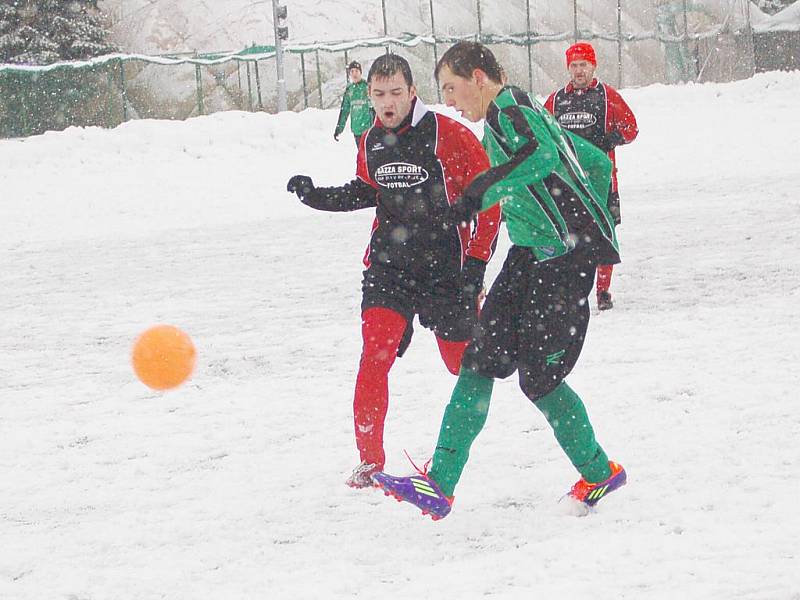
[[319, 78], [239, 75], [385, 24], [685, 42], [278, 14], [258, 86], [685, 21], [23, 114], [124, 90], [435, 51], [249, 88], [198, 77], [575, 17], [303, 71], [619, 43], [751, 37], [110, 78], [480, 28], [528, 40]]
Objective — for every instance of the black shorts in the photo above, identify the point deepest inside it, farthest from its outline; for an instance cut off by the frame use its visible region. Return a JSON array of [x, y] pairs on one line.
[[438, 306], [534, 320]]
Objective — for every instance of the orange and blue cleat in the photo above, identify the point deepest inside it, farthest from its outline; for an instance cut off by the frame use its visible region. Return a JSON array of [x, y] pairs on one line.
[[591, 493]]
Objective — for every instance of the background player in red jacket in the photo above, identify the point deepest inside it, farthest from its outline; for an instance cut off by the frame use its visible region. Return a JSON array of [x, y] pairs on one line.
[[412, 165], [596, 112]]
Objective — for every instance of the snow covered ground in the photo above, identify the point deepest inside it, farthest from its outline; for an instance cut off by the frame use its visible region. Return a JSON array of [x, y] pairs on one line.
[[231, 487]]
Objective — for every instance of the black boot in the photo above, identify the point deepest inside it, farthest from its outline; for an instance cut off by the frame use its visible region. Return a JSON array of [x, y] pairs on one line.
[[604, 301]]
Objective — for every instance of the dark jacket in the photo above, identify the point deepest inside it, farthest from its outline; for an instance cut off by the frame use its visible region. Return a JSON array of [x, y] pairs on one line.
[[412, 175], [597, 114]]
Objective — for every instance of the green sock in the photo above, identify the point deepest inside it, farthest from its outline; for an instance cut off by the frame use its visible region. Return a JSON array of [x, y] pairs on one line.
[[463, 420], [567, 416]]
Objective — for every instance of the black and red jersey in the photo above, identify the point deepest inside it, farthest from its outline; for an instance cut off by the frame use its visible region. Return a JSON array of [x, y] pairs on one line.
[[597, 114], [412, 175]]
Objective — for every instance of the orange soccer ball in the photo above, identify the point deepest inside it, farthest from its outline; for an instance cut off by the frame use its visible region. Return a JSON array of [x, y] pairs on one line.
[[163, 357]]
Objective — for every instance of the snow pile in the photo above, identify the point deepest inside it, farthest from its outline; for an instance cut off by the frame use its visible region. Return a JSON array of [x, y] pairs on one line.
[[786, 20], [232, 486]]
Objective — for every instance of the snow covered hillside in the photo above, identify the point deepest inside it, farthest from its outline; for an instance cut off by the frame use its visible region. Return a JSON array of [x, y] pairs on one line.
[[232, 487]]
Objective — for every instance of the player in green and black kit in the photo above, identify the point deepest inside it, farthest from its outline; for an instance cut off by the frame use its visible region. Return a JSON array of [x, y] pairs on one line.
[[356, 105], [552, 188]]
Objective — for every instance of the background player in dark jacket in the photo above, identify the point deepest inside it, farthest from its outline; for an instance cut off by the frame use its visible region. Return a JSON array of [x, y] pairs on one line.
[[412, 166], [355, 104], [596, 112]]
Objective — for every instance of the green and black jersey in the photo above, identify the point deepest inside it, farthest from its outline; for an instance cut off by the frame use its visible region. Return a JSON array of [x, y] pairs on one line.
[[552, 185], [356, 105]]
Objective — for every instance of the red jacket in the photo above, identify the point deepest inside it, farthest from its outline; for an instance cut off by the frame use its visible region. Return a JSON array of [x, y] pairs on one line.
[[597, 114]]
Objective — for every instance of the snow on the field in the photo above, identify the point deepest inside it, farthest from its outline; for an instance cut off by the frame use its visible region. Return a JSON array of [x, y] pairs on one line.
[[232, 487]]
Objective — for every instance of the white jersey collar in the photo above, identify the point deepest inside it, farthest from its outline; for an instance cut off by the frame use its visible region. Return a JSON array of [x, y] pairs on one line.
[[419, 111]]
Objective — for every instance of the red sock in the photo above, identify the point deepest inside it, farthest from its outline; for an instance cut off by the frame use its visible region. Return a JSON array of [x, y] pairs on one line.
[[604, 277], [381, 331], [452, 353]]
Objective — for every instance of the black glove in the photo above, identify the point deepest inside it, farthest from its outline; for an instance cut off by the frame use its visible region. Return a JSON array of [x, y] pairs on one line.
[[611, 141], [300, 185], [472, 281], [613, 207], [336, 136], [471, 201]]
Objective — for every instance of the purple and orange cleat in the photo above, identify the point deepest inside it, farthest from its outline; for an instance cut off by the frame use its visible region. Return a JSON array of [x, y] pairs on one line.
[[420, 490], [591, 493]]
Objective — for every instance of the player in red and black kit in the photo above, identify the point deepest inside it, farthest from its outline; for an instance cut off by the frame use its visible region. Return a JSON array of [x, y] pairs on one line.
[[413, 164], [596, 112]]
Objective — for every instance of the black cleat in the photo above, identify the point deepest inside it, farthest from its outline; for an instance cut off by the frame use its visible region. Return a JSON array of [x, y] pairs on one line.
[[604, 301]]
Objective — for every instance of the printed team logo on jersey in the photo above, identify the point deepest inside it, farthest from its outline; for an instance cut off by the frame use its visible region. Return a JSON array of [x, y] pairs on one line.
[[400, 175], [577, 120]]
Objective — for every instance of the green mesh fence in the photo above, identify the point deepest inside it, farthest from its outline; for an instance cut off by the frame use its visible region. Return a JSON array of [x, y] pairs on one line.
[[34, 99]]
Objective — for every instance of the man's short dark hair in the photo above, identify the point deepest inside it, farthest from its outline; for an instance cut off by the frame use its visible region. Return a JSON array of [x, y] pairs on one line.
[[464, 57], [389, 64]]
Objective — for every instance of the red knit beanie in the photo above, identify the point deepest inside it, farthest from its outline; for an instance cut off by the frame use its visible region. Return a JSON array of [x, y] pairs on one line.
[[581, 51]]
